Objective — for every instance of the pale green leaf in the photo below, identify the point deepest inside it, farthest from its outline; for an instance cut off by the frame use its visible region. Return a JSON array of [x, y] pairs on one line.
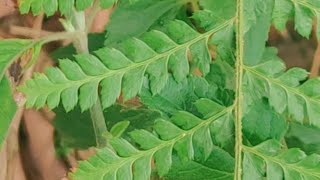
[[281, 164], [7, 108], [50, 7], [283, 10], [128, 65], [206, 170], [285, 89], [303, 20], [257, 20], [302, 11], [118, 129], [132, 20]]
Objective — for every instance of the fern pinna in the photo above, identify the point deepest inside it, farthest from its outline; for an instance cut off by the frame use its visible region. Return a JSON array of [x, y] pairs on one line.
[[221, 103], [126, 67]]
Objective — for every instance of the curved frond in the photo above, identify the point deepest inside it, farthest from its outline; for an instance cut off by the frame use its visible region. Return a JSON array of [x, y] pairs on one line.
[[284, 88], [123, 69], [182, 133], [270, 161]]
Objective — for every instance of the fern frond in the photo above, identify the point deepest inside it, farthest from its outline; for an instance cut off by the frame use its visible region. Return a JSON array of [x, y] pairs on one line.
[[284, 88], [49, 7], [122, 69], [184, 132], [302, 11], [270, 161]]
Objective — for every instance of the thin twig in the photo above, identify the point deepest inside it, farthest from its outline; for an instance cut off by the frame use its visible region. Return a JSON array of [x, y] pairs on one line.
[[28, 32], [96, 112], [316, 63], [316, 59]]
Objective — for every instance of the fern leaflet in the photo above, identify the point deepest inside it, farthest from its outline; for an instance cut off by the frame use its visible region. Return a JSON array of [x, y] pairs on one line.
[[153, 54], [182, 133], [49, 7], [302, 11], [284, 90], [270, 161]]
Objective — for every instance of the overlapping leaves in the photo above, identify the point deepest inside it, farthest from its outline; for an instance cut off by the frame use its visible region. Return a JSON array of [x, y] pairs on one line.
[[303, 12], [122, 69], [49, 7], [185, 133], [284, 89], [269, 161]]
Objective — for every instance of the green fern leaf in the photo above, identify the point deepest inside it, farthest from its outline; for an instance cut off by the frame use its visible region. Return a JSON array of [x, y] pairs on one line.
[[129, 18], [307, 138], [184, 132], [49, 7], [302, 11], [7, 108], [270, 161], [209, 169], [284, 88], [176, 96], [269, 125], [122, 69]]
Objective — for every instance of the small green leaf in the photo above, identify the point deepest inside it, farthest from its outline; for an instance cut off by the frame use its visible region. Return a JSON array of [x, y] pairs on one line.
[[107, 3], [303, 20], [7, 108], [208, 169], [83, 4], [118, 129], [269, 125], [130, 20], [305, 137], [283, 10]]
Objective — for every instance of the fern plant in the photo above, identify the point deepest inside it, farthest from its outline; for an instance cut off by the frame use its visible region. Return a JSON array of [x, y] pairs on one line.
[[213, 101]]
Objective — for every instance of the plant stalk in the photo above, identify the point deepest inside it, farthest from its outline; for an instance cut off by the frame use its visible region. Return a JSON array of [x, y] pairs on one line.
[[239, 93], [96, 112]]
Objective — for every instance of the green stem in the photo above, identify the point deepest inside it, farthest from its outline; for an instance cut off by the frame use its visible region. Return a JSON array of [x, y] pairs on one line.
[[96, 112], [195, 6], [58, 36], [99, 124], [239, 93]]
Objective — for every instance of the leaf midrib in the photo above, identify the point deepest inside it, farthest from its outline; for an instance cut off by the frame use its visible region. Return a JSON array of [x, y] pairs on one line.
[[284, 165], [279, 83], [69, 84], [172, 142]]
